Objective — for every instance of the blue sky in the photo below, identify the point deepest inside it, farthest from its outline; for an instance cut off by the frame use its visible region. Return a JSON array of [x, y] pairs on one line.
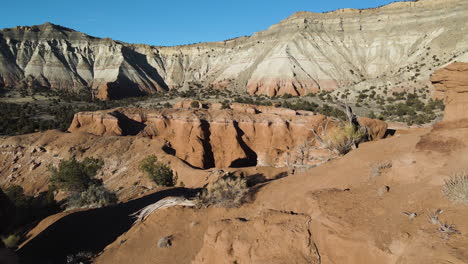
[[165, 22]]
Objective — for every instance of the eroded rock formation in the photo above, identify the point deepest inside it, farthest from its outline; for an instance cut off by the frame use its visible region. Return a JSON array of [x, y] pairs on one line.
[[453, 82], [245, 136]]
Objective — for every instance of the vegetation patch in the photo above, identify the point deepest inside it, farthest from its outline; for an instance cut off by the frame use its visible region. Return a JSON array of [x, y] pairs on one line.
[[78, 178], [342, 138], [74, 176], [228, 192], [158, 172], [456, 188], [94, 197]]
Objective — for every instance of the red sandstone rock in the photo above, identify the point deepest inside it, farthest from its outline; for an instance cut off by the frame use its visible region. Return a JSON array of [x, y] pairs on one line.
[[453, 82]]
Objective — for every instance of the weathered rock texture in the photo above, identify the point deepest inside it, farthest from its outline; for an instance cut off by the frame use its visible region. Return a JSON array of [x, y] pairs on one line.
[[205, 138], [453, 82], [304, 53], [273, 237]]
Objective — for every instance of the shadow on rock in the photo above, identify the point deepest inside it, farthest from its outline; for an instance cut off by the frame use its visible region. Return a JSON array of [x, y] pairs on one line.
[[90, 230]]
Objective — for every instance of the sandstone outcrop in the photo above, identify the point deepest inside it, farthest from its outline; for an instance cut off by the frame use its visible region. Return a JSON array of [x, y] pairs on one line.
[[453, 82], [377, 129], [245, 135], [307, 52]]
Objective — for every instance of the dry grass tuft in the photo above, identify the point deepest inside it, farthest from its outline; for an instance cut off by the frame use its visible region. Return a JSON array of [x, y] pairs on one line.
[[433, 217], [456, 188], [228, 192], [443, 227], [341, 139], [447, 229], [377, 168]]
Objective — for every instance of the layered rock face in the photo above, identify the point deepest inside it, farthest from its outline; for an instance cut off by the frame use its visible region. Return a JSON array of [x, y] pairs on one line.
[[304, 53], [206, 138], [453, 82]]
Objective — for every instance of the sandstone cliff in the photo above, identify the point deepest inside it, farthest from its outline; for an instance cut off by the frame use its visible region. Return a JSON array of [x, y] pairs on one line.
[[397, 45], [453, 82], [205, 138]]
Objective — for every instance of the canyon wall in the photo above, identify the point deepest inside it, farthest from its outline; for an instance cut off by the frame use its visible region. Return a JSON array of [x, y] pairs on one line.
[[398, 44], [207, 138]]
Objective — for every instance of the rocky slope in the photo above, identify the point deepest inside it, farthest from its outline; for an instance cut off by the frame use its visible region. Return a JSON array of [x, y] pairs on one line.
[[188, 139], [396, 45], [339, 212]]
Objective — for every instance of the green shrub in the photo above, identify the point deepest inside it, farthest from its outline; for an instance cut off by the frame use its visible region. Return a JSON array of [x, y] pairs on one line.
[[158, 172], [225, 104], [11, 241], [29, 209], [74, 176], [195, 104], [228, 192], [94, 197]]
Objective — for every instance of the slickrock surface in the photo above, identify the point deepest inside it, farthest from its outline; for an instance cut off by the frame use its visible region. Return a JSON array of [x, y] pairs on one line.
[[398, 45]]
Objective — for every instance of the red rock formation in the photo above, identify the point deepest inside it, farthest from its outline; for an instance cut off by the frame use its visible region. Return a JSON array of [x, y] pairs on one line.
[[453, 82], [244, 136], [376, 128]]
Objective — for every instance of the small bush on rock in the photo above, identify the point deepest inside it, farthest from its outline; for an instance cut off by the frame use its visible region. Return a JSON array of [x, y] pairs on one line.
[[94, 197], [456, 188], [343, 138], [28, 208], [227, 192], [75, 176], [195, 104], [159, 172], [11, 241]]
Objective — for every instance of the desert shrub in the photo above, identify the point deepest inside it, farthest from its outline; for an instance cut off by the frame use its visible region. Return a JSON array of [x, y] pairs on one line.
[[195, 104], [456, 188], [377, 168], [94, 197], [225, 104], [75, 176], [343, 138], [11, 241], [158, 172], [29, 209], [228, 192]]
